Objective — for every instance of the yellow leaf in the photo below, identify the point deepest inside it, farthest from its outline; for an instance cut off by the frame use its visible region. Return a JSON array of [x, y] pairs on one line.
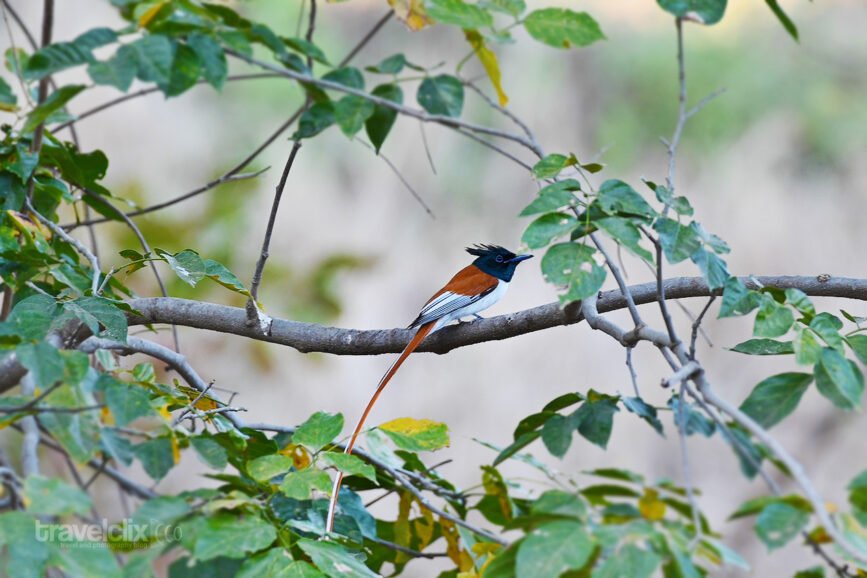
[[402, 535], [650, 506], [412, 13], [107, 416], [489, 61], [150, 13], [424, 528], [300, 456], [164, 411], [176, 450]]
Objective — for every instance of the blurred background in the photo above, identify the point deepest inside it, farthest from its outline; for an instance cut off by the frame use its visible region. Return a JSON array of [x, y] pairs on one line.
[[775, 166]]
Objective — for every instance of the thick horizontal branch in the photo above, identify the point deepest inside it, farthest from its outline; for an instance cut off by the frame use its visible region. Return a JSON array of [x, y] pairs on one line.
[[310, 337]]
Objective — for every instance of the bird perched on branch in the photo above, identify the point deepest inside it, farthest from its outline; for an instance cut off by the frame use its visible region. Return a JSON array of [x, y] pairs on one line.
[[475, 288]]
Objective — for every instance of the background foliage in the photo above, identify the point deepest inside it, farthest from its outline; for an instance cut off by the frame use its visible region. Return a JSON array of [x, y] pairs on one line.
[[67, 312]]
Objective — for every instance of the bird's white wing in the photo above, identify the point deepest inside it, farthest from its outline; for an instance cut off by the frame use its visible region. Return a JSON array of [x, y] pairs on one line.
[[445, 304]]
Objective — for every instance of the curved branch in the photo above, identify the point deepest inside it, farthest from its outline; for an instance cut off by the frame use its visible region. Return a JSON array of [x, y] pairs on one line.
[[311, 337]]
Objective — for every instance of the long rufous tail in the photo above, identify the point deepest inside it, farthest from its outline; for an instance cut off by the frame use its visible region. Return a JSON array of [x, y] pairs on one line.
[[419, 336]]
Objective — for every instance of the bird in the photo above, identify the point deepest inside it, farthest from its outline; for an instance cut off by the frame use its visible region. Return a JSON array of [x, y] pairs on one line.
[[473, 289]]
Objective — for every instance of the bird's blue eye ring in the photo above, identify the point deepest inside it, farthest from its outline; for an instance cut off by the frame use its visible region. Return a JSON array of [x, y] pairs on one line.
[[499, 258]]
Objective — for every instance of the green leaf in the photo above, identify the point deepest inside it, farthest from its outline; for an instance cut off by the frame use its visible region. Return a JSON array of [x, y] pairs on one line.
[[783, 18], [678, 242], [160, 512], [417, 435], [713, 268], [573, 266], [773, 319], [118, 71], [807, 348], [562, 28], [334, 560], [349, 464], [737, 299], [595, 418], [298, 485], [210, 452], [98, 311], [858, 492], [776, 397], [220, 274], [263, 468], [828, 327], [319, 430], [764, 347], [680, 205], [89, 560], [704, 11], [62, 55], [212, 58], [557, 434], [546, 228], [8, 100], [520, 443], [458, 13], [43, 361], [186, 264], [778, 523], [314, 120], [307, 48], [645, 411], [351, 112], [54, 497], [379, 124], [630, 561], [627, 234], [31, 318], [441, 95], [186, 69], [814, 572], [618, 198], [800, 301], [156, 456], [78, 432], [347, 76], [551, 165], [560, 503], [696, 422], [553, 197], [839, 380], [230, 536], [513, 8], [277, 563], [126, 401], [155, 54], [55, 101], [858, 343], [392, 65], [26, 553], [552, 549]]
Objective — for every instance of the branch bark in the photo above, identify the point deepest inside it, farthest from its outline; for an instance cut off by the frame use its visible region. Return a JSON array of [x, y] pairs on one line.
[[311, 337]]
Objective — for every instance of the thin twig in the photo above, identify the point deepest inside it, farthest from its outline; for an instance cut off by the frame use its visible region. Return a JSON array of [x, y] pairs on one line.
[[687, 470], [633, 375], [426, 146], [508, 114], [252, 308], [402, 179], [497, 149], [696, 326], [30, 445]]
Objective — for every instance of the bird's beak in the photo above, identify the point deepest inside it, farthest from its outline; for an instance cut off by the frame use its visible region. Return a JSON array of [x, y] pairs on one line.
[[519, 258]]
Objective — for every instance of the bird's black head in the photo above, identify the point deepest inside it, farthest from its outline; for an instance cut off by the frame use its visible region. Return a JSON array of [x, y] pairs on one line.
[[495, 260]]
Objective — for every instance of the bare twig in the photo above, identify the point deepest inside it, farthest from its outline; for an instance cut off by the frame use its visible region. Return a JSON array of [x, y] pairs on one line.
[[402, 179], [687, 470], [508, 114], [497, 149], [686, 371], [47, 25], [253, 316], [696, 326], [426, 146], [633, 375]]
